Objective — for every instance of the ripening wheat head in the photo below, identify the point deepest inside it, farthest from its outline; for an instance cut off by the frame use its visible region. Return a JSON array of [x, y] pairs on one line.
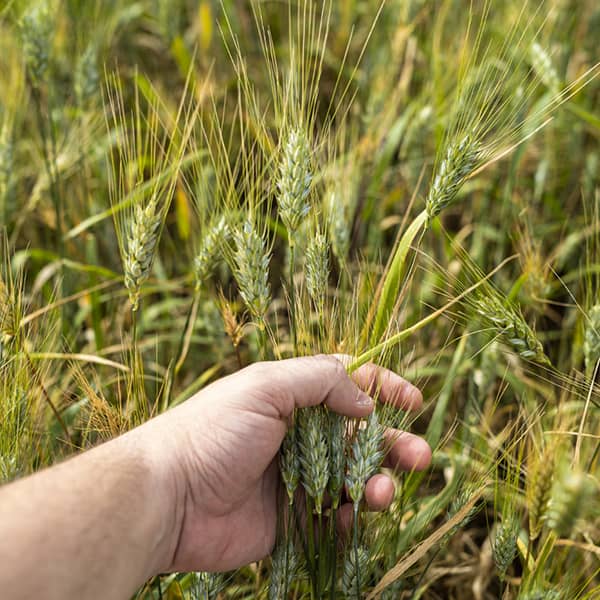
[[144, 172], [37, 26], [492, 109]]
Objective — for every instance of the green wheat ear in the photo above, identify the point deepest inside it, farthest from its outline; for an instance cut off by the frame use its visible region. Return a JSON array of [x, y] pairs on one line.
[[36, 33], [6, 166], [86, 79], [313, 451], [459, 161], [569, 501], [504, 545], [316, 267], [591, 343], [355, 572], [207, 586], [294, 181], [289, 463], [511, 327], [209, 252], [251, 269], [144, 232], [365, 458], [285, 567]]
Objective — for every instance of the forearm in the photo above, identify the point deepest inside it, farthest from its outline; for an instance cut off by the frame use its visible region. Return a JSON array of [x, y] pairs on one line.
[[95, 526]]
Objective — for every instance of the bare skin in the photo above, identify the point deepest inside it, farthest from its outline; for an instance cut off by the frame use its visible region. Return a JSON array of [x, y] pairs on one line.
[[192, 489]]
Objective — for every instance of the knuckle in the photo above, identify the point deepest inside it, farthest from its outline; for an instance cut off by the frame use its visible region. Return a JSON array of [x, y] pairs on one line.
[[335, 367]]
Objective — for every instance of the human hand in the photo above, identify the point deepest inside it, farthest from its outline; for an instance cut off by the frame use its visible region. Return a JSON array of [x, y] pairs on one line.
[[218, 453]]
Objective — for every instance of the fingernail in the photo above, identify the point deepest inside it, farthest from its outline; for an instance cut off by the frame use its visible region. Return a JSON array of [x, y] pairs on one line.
[[364, 400]]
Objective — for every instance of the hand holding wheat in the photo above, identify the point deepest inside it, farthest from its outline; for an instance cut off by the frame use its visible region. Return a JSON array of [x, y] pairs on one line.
[[195, 488], [222, 450]]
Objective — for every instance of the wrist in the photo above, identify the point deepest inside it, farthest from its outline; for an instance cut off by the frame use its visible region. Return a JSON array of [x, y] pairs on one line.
[[161, 503]]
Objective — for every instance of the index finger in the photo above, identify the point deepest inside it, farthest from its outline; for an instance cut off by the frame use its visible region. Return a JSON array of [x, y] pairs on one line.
[[391, 388]]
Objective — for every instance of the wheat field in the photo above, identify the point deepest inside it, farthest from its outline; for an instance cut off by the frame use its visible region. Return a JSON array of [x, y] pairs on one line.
[[191, 186]]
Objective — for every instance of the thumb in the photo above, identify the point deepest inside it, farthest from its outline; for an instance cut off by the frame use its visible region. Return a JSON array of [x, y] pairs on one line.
[[308, 381]]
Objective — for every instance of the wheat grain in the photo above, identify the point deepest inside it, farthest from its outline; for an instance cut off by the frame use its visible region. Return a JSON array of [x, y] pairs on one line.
[[539, 593], [284, 569], [207, 586]]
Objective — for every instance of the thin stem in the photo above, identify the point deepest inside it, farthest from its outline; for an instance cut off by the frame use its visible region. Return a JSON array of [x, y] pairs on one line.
[[49, 162], [185, 340], [355, 544], [394, 340], [322, 557], [262, 340], [311, 547], [50, 165], [287, 547], [37, 376], [424, 572], [238, 356], [333, 537], [292, 267]]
